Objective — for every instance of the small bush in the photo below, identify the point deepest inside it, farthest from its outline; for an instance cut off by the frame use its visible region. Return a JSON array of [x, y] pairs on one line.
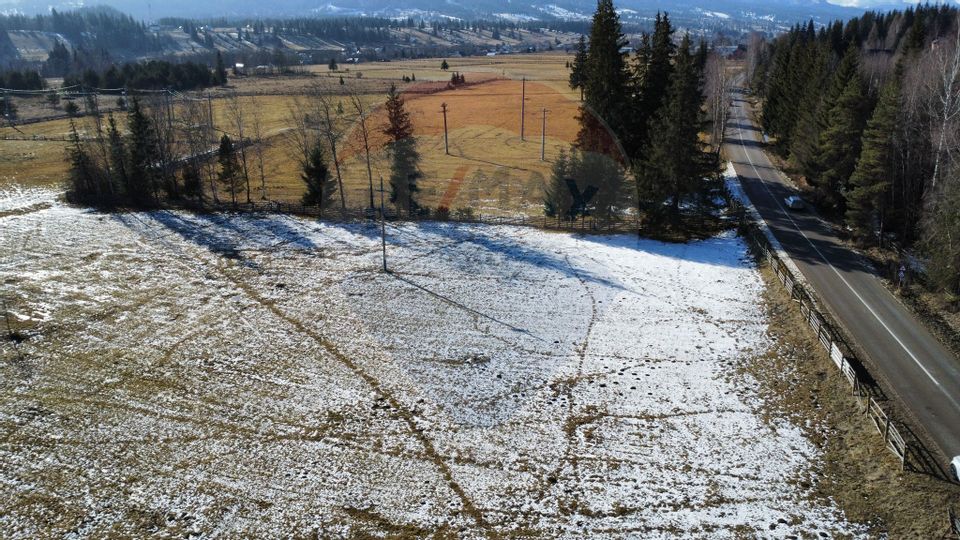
[[464, 214], [442, 213]]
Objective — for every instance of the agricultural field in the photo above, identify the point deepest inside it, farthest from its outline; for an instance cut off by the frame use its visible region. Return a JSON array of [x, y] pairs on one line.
[[257, 375], [489, 168]]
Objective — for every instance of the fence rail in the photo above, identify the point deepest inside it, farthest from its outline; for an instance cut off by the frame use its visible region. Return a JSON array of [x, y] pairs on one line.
[[826, 335]]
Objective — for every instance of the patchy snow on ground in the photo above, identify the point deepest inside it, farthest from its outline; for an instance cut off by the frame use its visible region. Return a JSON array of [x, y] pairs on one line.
[[14, 198], [259, 376]]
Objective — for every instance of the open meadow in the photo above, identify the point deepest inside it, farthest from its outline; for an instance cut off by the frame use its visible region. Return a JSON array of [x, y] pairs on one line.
[[259, 376], [489, 168]]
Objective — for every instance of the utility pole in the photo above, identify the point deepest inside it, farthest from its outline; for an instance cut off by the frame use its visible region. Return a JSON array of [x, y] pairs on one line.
[[543, 137], [446, 141], [213, 136], [523, 104], [383, 228]]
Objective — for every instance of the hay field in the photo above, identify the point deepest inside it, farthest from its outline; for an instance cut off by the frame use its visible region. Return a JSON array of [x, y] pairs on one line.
[[489, 167]]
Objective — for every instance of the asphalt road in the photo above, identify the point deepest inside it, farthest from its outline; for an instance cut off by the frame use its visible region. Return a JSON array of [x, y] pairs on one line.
[[910, 360]]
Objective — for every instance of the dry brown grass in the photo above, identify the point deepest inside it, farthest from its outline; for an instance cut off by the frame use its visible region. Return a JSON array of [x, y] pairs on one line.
[[799, 381], [489, 168]]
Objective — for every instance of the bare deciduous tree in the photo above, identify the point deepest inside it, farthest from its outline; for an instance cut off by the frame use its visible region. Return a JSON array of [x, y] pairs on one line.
[[944, 101], [362, 123], [160, 108], [718, 98], [195, 125], [258, 144], [755, 48], [329, 124], [238, 122]]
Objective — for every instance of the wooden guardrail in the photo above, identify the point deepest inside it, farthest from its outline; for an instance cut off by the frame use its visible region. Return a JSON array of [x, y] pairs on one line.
[[826, 335]]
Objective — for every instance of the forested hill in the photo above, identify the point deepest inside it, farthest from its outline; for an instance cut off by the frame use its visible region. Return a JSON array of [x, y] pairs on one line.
[[97, 28], [868, 113]]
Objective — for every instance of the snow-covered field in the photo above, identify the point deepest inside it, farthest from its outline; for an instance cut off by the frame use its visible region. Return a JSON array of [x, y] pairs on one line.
[[15, 198], [258, 376]]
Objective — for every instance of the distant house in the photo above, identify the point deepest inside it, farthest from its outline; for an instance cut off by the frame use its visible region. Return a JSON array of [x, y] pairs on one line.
[[239, 69]]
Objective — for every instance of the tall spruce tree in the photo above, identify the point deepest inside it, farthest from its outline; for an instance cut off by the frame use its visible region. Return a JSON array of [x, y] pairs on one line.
[[650, 83], [840, 144], [557, 198], [81, 181], [221, 70], [321, 187], [606, 84], [675, 164], [143, 178], [656, 83], [404, 157], [579, 67], [871, 179], [812, 110], [230, 174], [118, 157]]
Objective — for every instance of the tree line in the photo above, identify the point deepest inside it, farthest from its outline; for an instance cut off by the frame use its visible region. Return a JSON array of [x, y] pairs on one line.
[[640, 121], [93, 28], [26, 79], [150, 160], [868, 113], [165, 150], [150, 75]]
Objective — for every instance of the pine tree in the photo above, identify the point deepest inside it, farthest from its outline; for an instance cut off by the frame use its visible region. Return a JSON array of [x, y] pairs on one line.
[[917, 35], [229, 174], [805, 135], [652, 69], [662, 49], [444, 65], [638, 113], [605, 178], [675, 164], [778, 108], [81, 180], [320, 186], [332, 66], [221, 71], [192, 181], [840, 144], [579, 66], [557, 199], [143, 157], [118, 157], [402, 148], [871, 179], [606, 84]]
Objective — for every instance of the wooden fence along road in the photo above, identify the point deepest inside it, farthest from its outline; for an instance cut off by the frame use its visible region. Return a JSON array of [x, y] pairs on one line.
[[829, 339]]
